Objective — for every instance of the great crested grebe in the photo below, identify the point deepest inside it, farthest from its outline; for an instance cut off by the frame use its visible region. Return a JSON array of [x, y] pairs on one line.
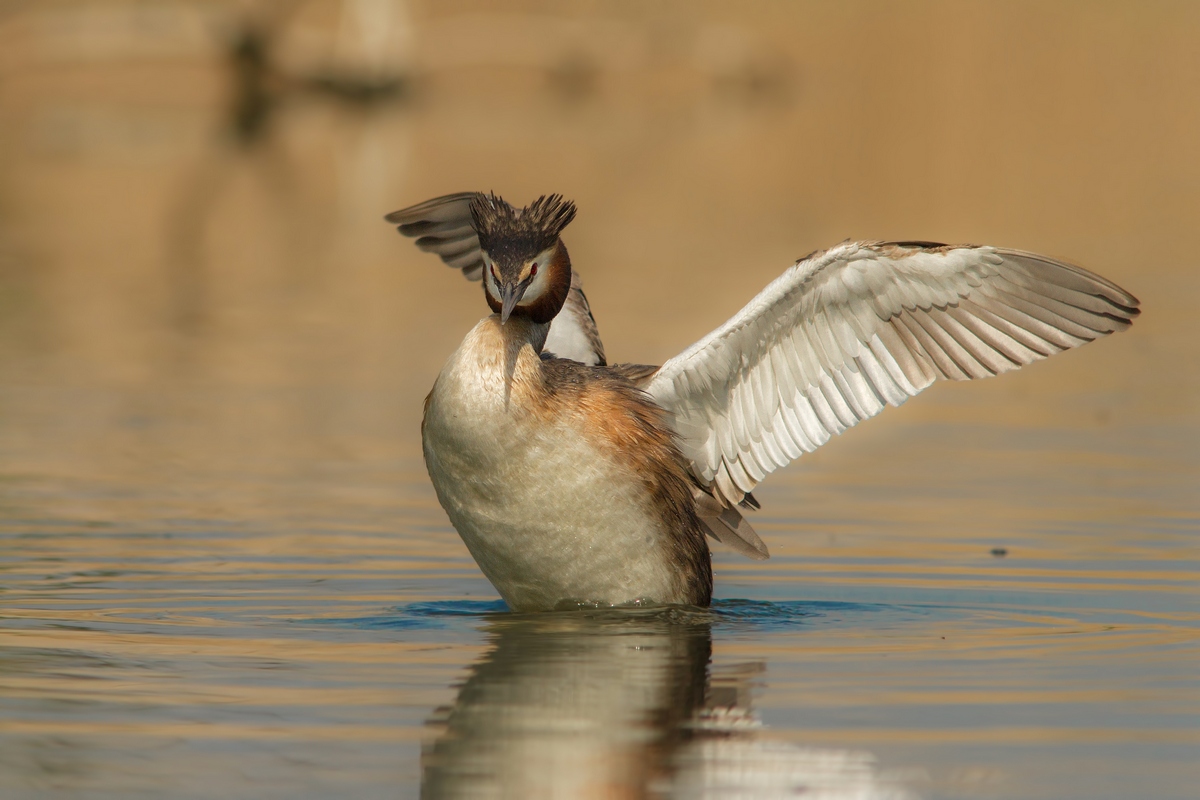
[[576, 482]]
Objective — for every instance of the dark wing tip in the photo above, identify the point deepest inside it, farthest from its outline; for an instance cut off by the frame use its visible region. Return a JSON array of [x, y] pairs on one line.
[[920, 244], [443, 226], [447, 208], [1124, 306]]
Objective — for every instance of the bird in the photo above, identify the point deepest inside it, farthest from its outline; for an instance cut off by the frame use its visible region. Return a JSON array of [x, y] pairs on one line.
[[578, 483]]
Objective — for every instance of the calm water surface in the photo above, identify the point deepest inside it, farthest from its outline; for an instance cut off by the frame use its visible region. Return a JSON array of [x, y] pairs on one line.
[[223, 572]]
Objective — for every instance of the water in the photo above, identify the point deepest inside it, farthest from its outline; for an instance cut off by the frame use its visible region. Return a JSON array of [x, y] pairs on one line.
[[223, 571]]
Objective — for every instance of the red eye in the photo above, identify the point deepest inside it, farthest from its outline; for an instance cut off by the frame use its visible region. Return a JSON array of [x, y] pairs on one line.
[[533, 271]]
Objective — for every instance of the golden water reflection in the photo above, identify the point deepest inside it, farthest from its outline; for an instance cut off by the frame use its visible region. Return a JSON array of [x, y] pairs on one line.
[[224, 572], [623, 704]]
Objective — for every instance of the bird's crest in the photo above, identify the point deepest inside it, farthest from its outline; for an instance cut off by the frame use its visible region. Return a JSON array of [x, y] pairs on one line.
[[507, 233]]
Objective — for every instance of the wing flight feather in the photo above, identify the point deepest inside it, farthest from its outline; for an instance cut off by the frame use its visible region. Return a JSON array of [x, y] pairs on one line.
[[849, 331]]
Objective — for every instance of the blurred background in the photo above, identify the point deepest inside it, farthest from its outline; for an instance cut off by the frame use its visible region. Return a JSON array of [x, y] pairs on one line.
[[213, 354], [194, 189]]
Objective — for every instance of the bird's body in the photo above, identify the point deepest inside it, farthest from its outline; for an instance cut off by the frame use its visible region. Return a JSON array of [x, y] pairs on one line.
[[571, 481], [561, 478]]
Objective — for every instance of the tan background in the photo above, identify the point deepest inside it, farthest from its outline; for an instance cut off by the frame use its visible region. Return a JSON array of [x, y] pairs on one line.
[[213, 354]]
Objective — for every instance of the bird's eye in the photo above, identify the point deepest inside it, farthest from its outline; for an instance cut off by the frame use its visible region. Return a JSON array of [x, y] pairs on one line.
[[533, 271]]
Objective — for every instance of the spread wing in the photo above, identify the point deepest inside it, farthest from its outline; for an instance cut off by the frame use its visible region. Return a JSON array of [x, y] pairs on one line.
[[846, 332], [443, 226]]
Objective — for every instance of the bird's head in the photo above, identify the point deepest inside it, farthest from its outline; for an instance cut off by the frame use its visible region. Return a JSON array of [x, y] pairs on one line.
[[526, 269]]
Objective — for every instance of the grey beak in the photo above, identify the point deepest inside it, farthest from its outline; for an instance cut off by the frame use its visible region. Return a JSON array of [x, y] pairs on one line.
[[510, 295]]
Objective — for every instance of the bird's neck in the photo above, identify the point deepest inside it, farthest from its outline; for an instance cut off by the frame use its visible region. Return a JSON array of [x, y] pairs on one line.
[[521, 343], [520, 331]]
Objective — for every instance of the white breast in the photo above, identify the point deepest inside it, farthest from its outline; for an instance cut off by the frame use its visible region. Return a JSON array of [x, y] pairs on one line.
[[546, 514]]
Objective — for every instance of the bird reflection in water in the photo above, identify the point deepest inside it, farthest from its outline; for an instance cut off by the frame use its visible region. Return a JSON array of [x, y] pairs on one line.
[[622, 703]]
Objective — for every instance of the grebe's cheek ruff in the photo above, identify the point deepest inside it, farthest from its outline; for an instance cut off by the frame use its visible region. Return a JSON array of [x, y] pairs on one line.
[[491, 281], [536, 276], [533, 287]]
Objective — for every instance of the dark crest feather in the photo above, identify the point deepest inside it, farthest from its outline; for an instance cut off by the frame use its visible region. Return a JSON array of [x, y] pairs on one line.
[[507, 233]]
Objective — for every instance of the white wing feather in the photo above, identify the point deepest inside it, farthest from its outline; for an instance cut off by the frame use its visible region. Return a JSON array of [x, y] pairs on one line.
[[573, 333], [847, 332]]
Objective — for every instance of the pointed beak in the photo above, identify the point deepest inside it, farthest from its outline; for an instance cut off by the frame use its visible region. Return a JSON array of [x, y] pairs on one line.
[[510, 295]]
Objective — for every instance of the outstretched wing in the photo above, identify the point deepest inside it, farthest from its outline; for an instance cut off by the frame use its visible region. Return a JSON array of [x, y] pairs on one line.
[[847, 331], [443, 226]]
